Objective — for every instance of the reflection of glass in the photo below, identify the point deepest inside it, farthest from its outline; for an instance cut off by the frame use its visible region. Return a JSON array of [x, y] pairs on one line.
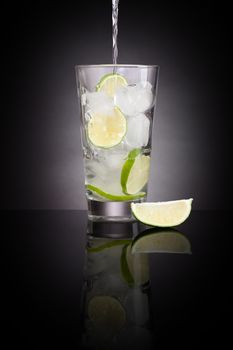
[[117, 107], [115, 305], [114, 229], [116, 309]]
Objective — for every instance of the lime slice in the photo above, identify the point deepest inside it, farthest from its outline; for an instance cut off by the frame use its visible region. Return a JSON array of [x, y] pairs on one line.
[[161, 241], [162, 214], [134, 268], [138, 266], [114, 197], [110, 83], [107, 245], [126, 274], [135, 172], [106, 312], [107, 130]]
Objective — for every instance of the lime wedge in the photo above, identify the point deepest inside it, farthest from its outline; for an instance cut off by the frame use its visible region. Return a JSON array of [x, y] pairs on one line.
[[114, 197], [161, 241], [106, 312], [110, 83], [162, 214], [134, 267], [135, 172], [107, 130]]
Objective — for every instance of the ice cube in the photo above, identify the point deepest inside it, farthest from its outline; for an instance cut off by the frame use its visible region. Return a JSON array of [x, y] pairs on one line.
[[113, 159], [101, 175], [99, 102], [95, 170], [145, 85], [138, 131], [83, 99], [134, 99]]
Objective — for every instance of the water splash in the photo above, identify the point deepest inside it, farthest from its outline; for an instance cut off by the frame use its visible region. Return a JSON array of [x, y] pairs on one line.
[[114, 30]]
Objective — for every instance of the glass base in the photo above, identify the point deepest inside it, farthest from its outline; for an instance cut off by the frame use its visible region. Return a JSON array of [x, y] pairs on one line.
[[111, 211]]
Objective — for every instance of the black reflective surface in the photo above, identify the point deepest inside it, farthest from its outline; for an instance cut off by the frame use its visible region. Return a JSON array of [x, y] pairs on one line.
[[49, 279]]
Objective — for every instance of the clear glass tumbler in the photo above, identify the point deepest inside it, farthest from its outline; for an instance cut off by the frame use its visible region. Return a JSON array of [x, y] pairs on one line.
[[117, 108]]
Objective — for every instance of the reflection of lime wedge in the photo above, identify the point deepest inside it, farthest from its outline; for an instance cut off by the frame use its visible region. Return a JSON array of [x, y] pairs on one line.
[[161, 241], [110, 83], [106, 130], [134, 268], [135, 172], [114, 197], [162, 214], [106, 312], [110, 244]]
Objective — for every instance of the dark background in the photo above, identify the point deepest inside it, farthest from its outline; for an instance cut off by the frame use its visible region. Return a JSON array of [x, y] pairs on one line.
[[42, 42]]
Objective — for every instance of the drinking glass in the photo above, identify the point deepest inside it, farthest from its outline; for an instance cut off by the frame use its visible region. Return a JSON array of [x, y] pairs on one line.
[[117, 109]]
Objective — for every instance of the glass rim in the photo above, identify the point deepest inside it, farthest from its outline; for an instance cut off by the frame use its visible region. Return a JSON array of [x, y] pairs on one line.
[[120, 65]]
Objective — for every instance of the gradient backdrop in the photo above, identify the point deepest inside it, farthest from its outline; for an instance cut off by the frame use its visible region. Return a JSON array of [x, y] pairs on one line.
[[41, 151]]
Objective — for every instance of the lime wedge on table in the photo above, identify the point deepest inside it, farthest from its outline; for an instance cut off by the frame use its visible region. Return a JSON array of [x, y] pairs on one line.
[[135, 172], [106, 311], [109, 83], [114, 197], [107, 130], [134, 267], [162, 214], [161, 241]]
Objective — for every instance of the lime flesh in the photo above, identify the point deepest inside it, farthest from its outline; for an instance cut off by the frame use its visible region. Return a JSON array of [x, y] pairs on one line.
[[162, 214], [109, 83], [107, 130], [135, 172]]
